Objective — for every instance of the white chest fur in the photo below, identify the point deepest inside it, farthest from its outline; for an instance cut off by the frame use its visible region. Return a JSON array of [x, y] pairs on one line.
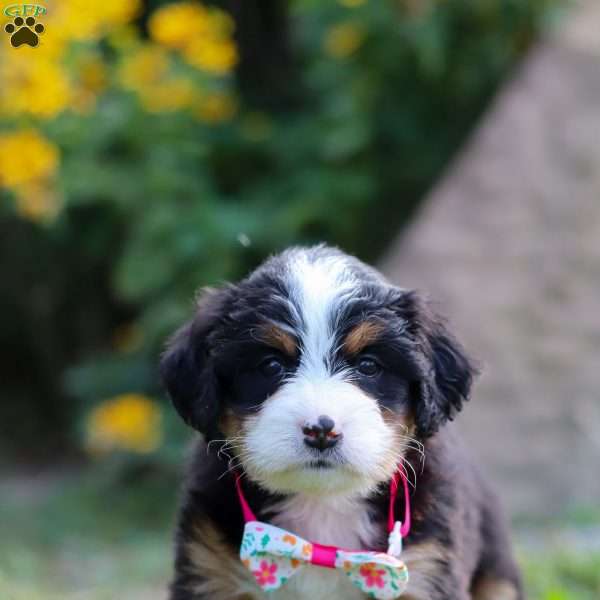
[[332, 521], [318, 583]]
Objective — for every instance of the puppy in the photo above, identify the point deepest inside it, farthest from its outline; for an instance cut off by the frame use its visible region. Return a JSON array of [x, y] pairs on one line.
[[314, 379]]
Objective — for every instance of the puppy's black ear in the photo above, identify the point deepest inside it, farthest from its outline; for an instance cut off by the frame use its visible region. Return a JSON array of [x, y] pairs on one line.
[[448, 384], [447, 372], [187, 368]]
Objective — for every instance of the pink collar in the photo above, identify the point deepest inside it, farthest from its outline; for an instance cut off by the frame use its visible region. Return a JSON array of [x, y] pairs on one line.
[[324, 555]]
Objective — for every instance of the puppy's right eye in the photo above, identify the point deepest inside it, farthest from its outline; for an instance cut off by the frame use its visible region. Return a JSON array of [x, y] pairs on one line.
[[368, 366], [271, 367]]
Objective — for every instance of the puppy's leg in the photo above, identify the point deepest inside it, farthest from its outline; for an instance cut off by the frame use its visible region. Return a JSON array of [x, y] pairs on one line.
[[496, 589], [497, 576], [207, 568], [497, 579], [183, 594], [432, 573]]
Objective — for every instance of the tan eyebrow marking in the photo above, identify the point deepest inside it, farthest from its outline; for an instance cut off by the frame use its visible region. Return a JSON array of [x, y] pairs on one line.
[[361, 336], [278, 338]]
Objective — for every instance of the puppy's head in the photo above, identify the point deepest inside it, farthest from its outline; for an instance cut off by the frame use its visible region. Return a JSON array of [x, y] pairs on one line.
[[316, 371]]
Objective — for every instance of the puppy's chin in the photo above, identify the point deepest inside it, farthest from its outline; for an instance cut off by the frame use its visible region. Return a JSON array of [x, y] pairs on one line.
[[314, 479]]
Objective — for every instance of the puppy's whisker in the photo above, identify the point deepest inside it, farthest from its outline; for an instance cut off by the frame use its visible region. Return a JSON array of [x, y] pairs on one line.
[[232, 467], [407, 463], [412, 443], [408, 445], [208, 445], [226, 446]]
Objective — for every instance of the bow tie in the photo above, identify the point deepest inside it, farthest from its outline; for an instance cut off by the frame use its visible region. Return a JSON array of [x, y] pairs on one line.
[[273, 555]]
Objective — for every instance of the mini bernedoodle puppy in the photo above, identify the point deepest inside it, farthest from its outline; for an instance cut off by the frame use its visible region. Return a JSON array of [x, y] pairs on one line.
[[313, 381]]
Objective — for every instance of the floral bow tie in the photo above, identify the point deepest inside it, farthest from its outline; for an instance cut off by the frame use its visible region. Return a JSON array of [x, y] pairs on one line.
[[273, 555]]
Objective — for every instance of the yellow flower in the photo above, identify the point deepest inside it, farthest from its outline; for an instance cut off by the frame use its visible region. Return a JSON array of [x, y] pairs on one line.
[[216, 107], [117, 12], [78, 20], [85, 20], [145, 66], [175, 25], [27, 163], [170, 95], [37, 201], [202, 35], [127, 422], [91, 79], [146, 72], [343, 40], [215, 56], [26, 157], [40, 87], [92, 74]]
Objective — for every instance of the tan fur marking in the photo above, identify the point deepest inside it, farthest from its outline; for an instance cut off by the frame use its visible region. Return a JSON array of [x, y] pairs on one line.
[[361, 336], [276, 337], [404, 431], [495, 589], [223, 575], [404, 424], [230, 424], [423, 562]]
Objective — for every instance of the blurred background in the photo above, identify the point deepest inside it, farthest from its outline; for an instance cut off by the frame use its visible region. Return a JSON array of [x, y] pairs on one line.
[[148, 148]]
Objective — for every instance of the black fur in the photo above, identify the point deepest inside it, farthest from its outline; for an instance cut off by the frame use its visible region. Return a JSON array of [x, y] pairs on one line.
[[187, 367], [452, 507], [197, 366], [211, 368]]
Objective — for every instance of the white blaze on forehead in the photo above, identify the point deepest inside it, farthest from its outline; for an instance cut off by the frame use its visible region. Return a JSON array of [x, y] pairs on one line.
[[318, 286]]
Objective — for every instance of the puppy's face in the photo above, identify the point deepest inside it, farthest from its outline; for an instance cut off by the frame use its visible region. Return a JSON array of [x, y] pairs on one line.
[[317, 372]]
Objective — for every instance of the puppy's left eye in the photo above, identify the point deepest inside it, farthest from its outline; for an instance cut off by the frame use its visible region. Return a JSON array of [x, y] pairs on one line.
[[271, 367], [368, 366]]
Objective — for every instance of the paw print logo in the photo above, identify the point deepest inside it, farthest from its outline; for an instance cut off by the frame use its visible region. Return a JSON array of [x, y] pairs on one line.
[[24, 31]]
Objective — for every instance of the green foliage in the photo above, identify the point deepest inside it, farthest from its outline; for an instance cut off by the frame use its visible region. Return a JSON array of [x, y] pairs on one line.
[[157, 205]]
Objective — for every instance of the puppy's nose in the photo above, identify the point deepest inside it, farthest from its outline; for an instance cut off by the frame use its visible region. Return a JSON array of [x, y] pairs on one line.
[[321, 435]]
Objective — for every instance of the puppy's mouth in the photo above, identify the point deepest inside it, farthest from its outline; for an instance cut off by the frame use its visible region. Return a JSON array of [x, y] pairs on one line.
[[319, 464], [330, 475]]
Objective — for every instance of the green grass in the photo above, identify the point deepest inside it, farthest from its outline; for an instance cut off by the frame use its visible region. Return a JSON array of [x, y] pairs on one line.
[[562, 575], [99, 537], [85, 538], [561, 563]]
